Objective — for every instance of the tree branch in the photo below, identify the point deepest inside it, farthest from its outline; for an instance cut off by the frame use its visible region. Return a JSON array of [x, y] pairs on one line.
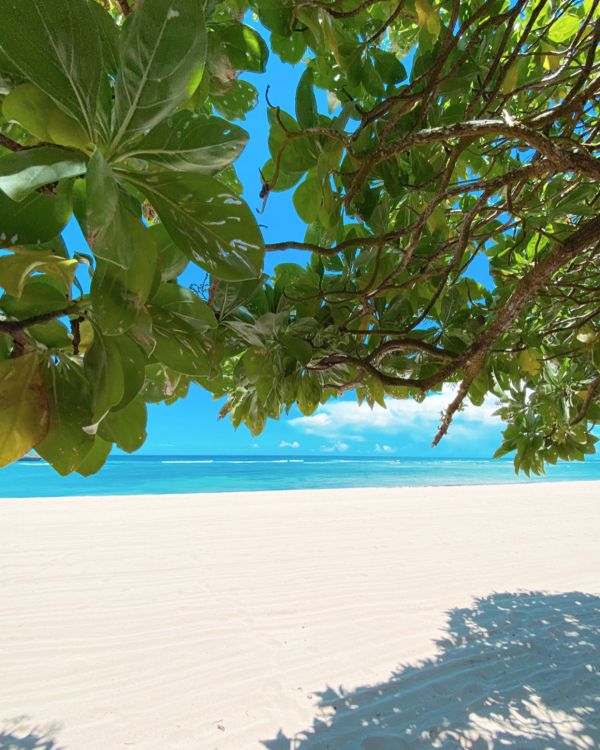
[[11, 326], [589, 396], [407, 344], [10, 144], [125, 9], [470, 375], [565, 159], [332, 11]]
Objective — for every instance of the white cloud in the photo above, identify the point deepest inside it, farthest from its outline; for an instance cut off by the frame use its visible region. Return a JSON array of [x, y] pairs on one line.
[[383, 448], [341, 417], [337, 447], [285, 444]]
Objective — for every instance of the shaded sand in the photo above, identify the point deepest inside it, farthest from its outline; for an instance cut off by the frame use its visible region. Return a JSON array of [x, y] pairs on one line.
[[342, 620]]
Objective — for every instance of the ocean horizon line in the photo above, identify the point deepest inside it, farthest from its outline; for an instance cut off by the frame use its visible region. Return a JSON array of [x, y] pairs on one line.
[[173, 474], [326, 457]]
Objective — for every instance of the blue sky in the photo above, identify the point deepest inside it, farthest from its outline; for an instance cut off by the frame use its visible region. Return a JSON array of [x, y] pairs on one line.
[[404, 429]]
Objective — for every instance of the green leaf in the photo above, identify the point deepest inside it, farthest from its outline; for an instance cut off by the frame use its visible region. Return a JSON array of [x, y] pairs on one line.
[[40, 294], [180, 322], [289, 48], [133, 363], [127, 253], [162, 54], [103, 368], [56, 45], [181, 351], [239, 98], [184, 307], [118, 295], [277, 15], [298, 154], [163, 384], [23, 172], [307, 199], [189, 142], [298, 348], [109, 34], [231, 295], [113, 233], [214, 227], [36, 219], [35, 111], [244, 47], [306, 103], [52, 335], [9, 73], [15, 269], [309, 394], [24, 415], [564, 28], [96, 458], [67, 443], [172, 260], [126, 427]]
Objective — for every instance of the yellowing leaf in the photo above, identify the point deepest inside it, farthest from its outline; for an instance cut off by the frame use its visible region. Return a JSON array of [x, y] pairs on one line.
[[428, 18], [437, 220], [86, 332], [530, 363], [24, 414], [587, 335], [15, 270], [510, 79], [551, 60]]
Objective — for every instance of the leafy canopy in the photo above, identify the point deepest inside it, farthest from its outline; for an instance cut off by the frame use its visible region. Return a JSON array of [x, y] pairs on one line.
[[454, 130]]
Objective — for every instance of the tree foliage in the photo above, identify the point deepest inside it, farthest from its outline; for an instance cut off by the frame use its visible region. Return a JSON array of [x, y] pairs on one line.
[[454, 130]]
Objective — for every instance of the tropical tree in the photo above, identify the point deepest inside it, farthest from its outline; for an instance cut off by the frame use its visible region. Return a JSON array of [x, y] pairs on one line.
[[455, 132]]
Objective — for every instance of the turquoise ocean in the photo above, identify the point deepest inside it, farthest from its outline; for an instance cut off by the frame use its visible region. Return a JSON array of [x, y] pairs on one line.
[[130, 475]]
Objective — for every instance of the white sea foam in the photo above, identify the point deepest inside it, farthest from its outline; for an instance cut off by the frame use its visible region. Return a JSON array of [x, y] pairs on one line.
[[203, 461]]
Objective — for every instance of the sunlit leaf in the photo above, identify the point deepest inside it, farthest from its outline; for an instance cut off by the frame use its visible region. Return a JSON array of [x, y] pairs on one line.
[[56, 45], [25, 171], [162, 52], [15, 269], [188, 142], [67, 443], [24, 415], [214, 227]]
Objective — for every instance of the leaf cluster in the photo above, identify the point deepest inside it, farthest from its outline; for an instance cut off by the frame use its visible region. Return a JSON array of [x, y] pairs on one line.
[[458, 135]]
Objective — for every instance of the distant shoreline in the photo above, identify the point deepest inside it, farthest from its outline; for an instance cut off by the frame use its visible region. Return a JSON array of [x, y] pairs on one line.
[[314, 490], [183, 475]]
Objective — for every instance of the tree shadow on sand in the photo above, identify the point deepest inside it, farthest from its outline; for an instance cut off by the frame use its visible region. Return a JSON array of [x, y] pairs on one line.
[[514, 671], [20, 734]]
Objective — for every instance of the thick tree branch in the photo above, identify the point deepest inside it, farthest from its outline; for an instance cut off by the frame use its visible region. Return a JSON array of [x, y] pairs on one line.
[[473, 359], [470, 375], [589, 397]]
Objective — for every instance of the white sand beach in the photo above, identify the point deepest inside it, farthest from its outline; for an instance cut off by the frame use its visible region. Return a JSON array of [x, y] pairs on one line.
[[381, 619]]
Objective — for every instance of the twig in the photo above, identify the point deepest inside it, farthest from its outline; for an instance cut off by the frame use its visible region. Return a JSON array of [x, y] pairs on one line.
[[10, 326], [10, 144]]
